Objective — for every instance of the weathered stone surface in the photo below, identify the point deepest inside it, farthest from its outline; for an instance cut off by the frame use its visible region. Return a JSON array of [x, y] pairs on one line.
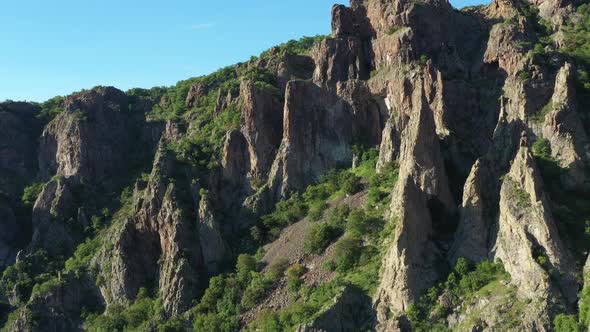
[[502, 47], [340, 59], [58, 309], [236, 157], [369, 115], [92, 139], [528, 242], [421, 200], [317, 134], [91, 147], [342, 21], [221, 103], [565, 131], [195, 92], [476, 232], [55, 224], [262, 127], [213, 247], [159, 242]]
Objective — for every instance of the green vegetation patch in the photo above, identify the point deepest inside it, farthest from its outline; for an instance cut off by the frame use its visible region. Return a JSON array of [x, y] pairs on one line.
[[462, 284]]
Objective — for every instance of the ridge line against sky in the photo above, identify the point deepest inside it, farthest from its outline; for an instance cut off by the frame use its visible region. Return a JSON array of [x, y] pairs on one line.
[[56, 48]]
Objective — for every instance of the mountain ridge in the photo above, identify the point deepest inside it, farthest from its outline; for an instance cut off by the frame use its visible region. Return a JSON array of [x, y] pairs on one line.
[[425, 167]]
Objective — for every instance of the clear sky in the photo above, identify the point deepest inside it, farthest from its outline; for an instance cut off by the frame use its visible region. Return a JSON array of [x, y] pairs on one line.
[[50, 48]]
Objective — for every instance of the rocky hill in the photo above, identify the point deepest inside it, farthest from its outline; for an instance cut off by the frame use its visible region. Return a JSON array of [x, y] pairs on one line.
[[420, 169]]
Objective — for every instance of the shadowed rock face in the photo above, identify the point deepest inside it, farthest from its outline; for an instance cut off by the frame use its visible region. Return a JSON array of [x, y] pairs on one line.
[[18, 148], [262, 127]]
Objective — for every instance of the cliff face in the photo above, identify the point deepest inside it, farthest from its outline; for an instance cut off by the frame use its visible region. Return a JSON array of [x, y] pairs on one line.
[[157, 191]]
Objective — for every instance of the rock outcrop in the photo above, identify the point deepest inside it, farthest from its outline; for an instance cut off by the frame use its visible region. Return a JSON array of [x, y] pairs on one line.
[[564, 130], [58, 308], [89, 149], [421, 202], [195, 92], [262, 127], [312, 143], [18, 147], [457, 99], [528, 242], [160, 243]]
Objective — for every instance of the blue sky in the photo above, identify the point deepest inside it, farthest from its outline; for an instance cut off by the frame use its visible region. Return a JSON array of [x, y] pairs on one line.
[[51, 48]]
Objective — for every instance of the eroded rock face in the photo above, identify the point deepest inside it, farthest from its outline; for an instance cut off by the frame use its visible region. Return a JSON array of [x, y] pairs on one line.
[[56, 226], [160, 243], [213, 246], [236, 157], [92, 139], [317, 134], [58, 309], [18, 147], [195, 92], [369, 114], [528, 242], [11, 238], [565, 131], [421, 200], [340, 59], [89, 149], [476, 232], [262, 127]]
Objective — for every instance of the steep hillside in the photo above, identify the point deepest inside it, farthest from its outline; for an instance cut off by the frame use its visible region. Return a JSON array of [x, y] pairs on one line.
[[420, 169]]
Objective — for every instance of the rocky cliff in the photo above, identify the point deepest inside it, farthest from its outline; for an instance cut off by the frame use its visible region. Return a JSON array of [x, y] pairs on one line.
[[421, 168]]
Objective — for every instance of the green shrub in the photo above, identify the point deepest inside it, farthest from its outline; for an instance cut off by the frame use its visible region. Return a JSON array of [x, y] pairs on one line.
[[525, 76], [358, 222], [566, 323], [50, 109], [36, 268], [316, 209], [423, 60], [294, 274], [277, 269], [584, 304], [539, 117], [83, 255], [267, 321], [294, 47], [347, 252], [244, 266], [462, 267], [542, 148], [139, 316], [464, 282], [255, 291], [392, 30], [351, 184], [329, 265], [45, 288], [31, 193], [320, 236]]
